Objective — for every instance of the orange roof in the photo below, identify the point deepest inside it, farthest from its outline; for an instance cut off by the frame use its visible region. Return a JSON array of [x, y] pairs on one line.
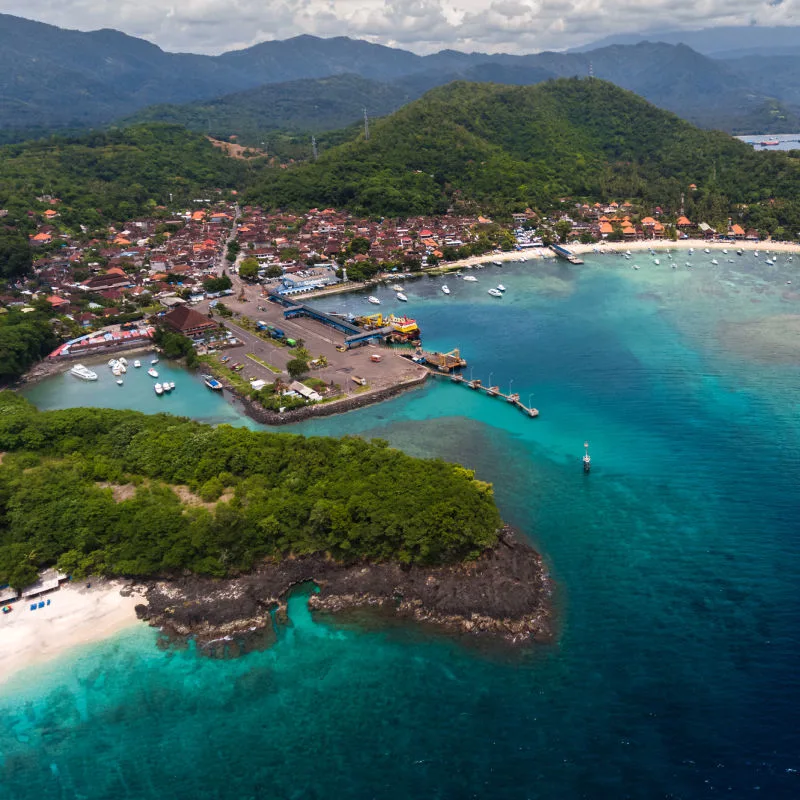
[[116, 271], [122, 240], [51, 212], [684, 221], [606, 227], [55, 300], [198, 215], [692, 185], [648, 221], [737, 230], [41, 237]]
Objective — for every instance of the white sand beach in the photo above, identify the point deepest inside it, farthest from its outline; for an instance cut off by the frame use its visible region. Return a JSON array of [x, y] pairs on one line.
[[76, 615], [685, 244]]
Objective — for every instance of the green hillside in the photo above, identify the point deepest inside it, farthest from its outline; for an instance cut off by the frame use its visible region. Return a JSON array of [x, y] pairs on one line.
[[115, 175], [502, 148], [92, 491]]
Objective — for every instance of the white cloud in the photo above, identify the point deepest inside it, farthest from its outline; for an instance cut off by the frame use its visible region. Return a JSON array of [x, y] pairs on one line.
[[513, 26]]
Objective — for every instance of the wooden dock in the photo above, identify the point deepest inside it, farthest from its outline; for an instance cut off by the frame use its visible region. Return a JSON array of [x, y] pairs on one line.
[[491, 391]]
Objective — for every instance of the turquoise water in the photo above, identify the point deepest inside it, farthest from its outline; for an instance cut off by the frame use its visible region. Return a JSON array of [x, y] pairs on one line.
[[675, 670]]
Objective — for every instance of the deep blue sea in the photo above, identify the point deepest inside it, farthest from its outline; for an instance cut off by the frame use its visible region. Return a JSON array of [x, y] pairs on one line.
[[675, 672]]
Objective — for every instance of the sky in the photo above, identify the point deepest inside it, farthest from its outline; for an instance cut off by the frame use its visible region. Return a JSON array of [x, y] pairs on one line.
[[423, 26]]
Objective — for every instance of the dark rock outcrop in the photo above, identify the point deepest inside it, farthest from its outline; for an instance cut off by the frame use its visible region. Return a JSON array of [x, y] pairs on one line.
[[505, 594]]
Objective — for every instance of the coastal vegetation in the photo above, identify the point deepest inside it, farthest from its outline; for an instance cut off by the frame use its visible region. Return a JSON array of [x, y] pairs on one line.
[[486, 147], [24, 339], [97, 491]]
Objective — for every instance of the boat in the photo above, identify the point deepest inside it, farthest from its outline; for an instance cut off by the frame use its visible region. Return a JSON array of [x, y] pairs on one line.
[[401, 296], [495, 293], [171, 385], [470, 278], [688, 264], [137, 363], [84, 373], [724, 252], [500, 287], [770, 261], [397, 288], [154, 361], [165, 386], [123, 361], [770, 142], [445, 289], [756, 254], [714, 261], [120, 382], [656, 262], [112, 362], [497, 263], [159, 390], [739, 252], [587, 459], [212, 382], [627, 252], [152, 373], [636, 266], [116, 371], [374, 300], [706, 250], [122, 368]]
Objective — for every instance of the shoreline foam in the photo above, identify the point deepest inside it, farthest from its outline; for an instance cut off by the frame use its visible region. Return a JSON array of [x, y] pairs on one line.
[[76, 616]]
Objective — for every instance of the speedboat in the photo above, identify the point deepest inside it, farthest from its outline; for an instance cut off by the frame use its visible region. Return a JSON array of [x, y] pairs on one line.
[[212, 383], [137, 363], [152, 373], [401, 296], [120, 381], [495, 293], [756, 254], [445, 289], [500, 287], [706, 250], [714, 261], [724, 252], [656, 262], [397, 287], [84, 373], [159, 390], [154, 361], [470, 278], [374, 300], [497, 263]]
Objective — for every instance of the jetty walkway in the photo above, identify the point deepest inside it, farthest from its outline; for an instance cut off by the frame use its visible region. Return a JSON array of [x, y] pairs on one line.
[[492, 391]]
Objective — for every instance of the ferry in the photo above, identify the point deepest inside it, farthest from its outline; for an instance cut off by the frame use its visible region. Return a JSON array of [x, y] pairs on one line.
[[374, 300], [84, 373], [402, 297], [152, 373], [769, 142], [212, 383], [445, 289]]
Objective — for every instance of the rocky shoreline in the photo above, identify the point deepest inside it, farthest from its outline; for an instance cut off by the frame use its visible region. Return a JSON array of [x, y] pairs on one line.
[[505, 595]]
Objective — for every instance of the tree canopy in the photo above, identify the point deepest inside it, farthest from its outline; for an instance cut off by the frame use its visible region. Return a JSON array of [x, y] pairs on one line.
[[94, 491]]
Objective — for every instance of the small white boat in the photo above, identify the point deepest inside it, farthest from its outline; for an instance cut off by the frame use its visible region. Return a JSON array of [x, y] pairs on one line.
[[116, 371], [171, 385], [706, 250], [656, 262], [724, 252], [497, 263], [739, 252], [636, 266], [470, 278], [500, 287], [112, 362], [374, 300], [122, 368], [688, 264], [627, 252], [445, 289], [152, 373], [137, 363], [84, 373], [397, 288], [154, 361], [756, 254], [401, 296], [123, 361], [158, 389], [165, 386], [495, 293], [120, 382], [714, 261]]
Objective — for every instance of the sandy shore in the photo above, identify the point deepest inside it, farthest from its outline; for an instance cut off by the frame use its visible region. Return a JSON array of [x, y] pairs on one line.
[[684, 244], [76, 616]]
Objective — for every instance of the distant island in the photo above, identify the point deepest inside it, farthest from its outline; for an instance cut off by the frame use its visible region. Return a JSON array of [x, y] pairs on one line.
[[230, 519]]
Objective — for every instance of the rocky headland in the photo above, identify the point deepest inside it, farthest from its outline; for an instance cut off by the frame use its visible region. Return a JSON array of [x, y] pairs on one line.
[[504, 595]]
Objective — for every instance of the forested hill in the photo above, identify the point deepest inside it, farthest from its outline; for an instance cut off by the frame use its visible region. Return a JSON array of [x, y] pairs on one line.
[[122, 493], [115, 175], [502, 148]]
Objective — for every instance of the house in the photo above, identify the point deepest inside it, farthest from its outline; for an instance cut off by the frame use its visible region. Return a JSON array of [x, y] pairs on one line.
[[737, 231], [57, 302], [189, 322]]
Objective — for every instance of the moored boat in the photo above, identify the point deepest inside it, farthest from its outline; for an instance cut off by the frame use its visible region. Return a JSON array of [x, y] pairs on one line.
[[470, 278], [137, 363], [158, 388], [446, 289], [495, 293], [402, 297], [84, 373], [374, 300], [120, 381], [500, 287], [212, 382], [152, 373]]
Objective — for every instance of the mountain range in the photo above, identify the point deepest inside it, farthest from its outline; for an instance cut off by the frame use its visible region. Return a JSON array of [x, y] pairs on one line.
[[51, 77]]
